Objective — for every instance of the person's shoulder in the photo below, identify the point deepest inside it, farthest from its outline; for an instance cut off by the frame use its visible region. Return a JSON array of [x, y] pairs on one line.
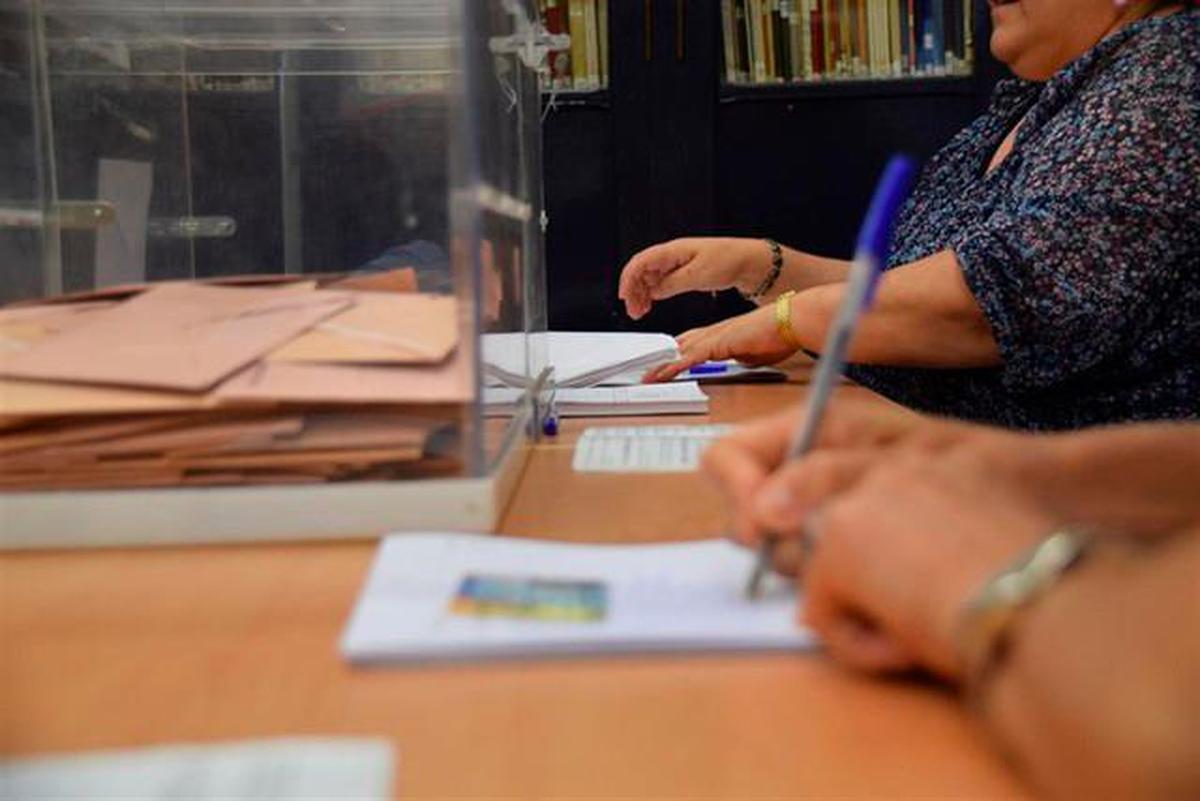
[[1162, 53]]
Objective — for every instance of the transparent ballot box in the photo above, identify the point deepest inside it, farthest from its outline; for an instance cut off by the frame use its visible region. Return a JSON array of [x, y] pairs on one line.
[[251, 253]]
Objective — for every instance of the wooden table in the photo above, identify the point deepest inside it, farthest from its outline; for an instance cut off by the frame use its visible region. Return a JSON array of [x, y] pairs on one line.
[[136, 647]]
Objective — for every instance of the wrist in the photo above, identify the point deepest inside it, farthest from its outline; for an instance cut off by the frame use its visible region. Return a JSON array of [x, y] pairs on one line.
[[990, 618], [783, 320], [759, 269]]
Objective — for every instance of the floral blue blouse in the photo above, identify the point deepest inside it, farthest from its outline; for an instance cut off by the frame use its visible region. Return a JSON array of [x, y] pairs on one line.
[[1082, 247]]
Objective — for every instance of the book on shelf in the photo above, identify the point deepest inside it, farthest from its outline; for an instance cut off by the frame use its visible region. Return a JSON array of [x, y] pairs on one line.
[[576, 20], [741, 41], [584, 67], [728, 41], [910, 35], [786, 41], [801, 40], [591, 28], [816, 34], [602, 39], [895, 49], [554, 18]]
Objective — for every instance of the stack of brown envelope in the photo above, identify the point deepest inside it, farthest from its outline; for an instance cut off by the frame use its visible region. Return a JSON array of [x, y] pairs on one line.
[[256, 382]]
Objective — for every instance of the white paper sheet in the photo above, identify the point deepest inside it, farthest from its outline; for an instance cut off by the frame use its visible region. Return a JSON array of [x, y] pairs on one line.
[[644, 449], [642, 399], [285, 770], [121, 246], [661, 598], [580, 358]]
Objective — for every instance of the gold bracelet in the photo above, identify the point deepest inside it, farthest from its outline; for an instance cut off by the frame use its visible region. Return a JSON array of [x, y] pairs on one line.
[[783, 319], [987, 620]]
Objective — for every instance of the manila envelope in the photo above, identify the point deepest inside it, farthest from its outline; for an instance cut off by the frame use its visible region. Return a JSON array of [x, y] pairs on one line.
[[21, 328], [176, 336], [448, 382], [403, 279], [380, 329], [115, 294], [49, 311], [29, 399], [53, 432], [358, 431]]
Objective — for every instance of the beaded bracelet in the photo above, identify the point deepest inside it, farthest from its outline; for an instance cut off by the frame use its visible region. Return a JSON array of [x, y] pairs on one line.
[[772, 275]]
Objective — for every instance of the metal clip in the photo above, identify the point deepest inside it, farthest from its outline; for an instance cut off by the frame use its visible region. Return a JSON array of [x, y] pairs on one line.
[[191, 227], [74, 214]]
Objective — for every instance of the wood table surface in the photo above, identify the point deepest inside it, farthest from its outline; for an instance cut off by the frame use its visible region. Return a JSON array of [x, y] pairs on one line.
[[134, 647]]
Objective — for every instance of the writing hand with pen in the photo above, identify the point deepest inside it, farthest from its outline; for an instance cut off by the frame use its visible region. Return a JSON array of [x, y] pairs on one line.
[[890, 521]]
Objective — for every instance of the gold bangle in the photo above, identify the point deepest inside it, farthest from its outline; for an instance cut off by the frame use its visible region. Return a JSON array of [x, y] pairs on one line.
[[783, 319], [986, 622]]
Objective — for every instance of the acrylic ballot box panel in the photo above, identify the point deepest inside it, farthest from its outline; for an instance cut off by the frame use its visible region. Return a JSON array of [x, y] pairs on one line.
[[249, 252]]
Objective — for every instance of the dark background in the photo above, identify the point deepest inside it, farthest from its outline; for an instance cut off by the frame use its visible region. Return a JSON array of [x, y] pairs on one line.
[[668, 151], [665, 151]]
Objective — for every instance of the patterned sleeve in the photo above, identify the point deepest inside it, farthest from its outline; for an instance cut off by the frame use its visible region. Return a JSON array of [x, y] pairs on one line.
[[1102, 225]]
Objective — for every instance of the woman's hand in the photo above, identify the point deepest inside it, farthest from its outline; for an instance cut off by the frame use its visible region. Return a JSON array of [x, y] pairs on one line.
[[751, 338], [895, 557], [690, 265], [853, 435]]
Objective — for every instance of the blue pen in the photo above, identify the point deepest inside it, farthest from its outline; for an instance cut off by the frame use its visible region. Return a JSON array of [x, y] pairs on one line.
[[870, 257], [709, 368], [550, 421]]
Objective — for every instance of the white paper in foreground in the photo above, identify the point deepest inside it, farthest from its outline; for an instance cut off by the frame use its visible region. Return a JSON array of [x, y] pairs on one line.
[[661, 598], [644, 449], [282, 770]]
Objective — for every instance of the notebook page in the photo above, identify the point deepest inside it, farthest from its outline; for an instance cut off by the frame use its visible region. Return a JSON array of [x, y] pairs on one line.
[[579, 357], [657, 598]]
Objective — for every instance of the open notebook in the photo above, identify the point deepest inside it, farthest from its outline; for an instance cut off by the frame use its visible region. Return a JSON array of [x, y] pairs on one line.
[[684, 397], [580, 359], [468, 596]]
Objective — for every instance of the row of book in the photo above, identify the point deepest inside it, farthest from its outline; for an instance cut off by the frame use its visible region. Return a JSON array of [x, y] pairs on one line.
[[584, 67], [776, 41]]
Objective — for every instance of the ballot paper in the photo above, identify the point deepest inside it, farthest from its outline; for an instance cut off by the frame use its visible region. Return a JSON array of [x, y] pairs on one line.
[[380, 328], [297, 382], [194, 385], [433, 596], [282, 770], [643, 399], [176, 336], [26, 399], [644, 449], [211, 448], [402, 279], [579, 358]]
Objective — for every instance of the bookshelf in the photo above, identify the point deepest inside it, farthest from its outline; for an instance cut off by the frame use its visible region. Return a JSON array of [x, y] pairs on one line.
[[817, 41], [671, 146]]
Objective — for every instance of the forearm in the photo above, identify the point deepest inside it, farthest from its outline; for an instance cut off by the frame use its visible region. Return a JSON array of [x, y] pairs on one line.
[[924, 315], [1100, 694], [1138, 478]]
